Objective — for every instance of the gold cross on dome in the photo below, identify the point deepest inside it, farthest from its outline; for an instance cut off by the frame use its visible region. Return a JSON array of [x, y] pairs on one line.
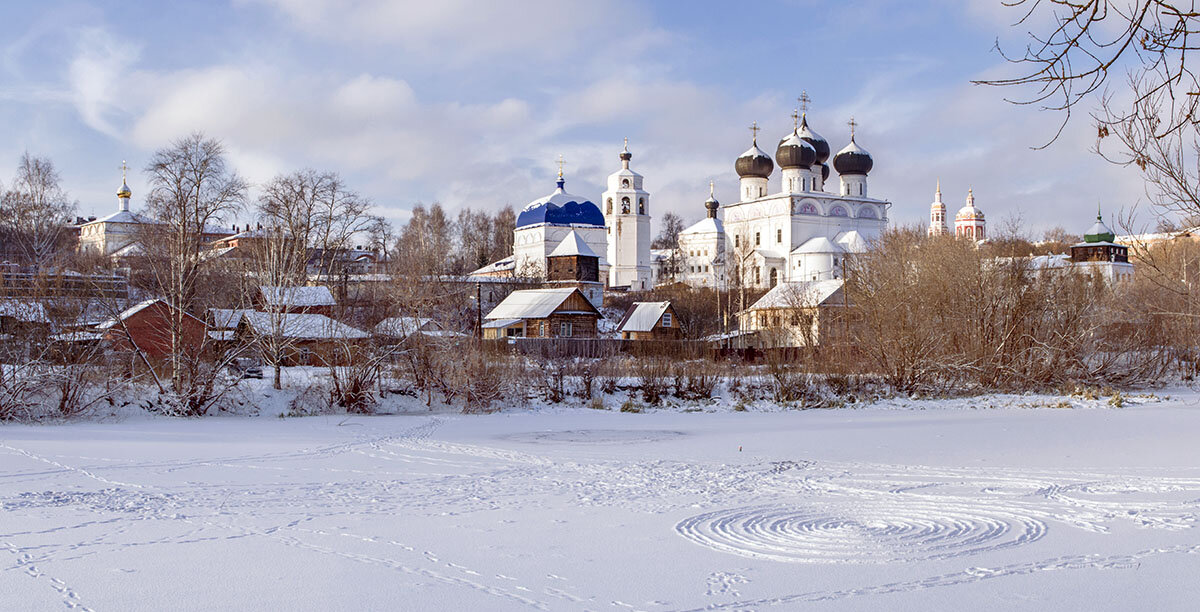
[[795, 118], [123, 169], [561, 162], [853, 124], [804, 100], [754, 129]]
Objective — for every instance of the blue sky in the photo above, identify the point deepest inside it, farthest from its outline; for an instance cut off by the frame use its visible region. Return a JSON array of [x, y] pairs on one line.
[[469, 103]]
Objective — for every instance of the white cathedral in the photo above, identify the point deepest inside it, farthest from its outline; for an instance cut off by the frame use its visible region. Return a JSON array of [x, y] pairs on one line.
[[795, 231]]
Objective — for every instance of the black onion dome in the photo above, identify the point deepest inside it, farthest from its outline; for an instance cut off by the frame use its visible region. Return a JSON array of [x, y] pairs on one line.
[[754, 162], [794, 152], [853, 160], [817, 141], [824, 172]]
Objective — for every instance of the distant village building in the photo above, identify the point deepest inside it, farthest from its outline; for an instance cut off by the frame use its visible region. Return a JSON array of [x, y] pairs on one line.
[[574, 264], [627, 217], [547, 221], [143, 332], [797, 314], [543, 313], [310, 339], [109, 234], [649, 321], [937, 214], [770, 237], [702, 247], [1098, 255], [968, 221]]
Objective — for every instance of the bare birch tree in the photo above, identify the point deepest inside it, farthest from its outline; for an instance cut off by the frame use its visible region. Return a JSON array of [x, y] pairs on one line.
[[192, 188], [35, 210]]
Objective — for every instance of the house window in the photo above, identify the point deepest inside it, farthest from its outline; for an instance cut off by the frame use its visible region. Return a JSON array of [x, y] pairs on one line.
[[565, 329], [542, 329], [757, 238], [666, 319]]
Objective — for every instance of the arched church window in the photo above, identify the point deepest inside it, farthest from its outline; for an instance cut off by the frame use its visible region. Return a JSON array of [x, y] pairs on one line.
[[774, 276], [838, 211], [641, 206], [625, 206], [609, 206], [808, 209], [625, 183]]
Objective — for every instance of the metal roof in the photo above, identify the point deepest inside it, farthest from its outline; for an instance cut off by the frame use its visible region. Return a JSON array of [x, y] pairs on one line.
[[643, 316], [573, 244], [532, 304], [302, 326], [804, 294]]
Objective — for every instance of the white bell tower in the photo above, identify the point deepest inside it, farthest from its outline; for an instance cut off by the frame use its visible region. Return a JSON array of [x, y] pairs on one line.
[[627, 214]]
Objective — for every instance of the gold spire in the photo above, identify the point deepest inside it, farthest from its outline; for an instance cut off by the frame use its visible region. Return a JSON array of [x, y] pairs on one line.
[[626, 144], [561, 162], [712, 189]]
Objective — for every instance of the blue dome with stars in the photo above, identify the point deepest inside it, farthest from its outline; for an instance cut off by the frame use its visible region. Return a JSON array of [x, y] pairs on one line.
[[560, 208]]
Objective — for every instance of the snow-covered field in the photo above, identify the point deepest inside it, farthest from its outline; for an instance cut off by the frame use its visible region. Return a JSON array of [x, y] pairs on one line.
[[919, 505]]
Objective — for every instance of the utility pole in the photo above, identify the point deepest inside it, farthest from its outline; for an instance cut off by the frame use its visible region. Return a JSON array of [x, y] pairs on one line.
[[478, 311]]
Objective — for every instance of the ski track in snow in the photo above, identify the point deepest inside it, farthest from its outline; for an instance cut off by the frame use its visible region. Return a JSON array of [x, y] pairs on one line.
[[803, 510]]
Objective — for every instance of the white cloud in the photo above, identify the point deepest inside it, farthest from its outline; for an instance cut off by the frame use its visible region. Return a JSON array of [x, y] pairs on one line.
[[96, 77]]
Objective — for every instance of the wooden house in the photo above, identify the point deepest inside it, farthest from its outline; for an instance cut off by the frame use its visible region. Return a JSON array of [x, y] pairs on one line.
[[302, 338], [796, 314], [543, 313], [650, 321]]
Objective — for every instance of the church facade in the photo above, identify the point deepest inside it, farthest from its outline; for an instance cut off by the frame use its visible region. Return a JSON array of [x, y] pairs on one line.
[[802, 231]]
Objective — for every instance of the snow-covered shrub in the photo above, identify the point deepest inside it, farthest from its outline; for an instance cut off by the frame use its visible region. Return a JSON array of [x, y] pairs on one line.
[[654, 378]]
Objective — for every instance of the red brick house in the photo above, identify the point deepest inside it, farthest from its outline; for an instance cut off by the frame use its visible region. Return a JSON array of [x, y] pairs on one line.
[[145, 329]]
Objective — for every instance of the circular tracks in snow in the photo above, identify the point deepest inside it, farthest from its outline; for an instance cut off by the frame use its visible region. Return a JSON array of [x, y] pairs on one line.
[[870, 531]]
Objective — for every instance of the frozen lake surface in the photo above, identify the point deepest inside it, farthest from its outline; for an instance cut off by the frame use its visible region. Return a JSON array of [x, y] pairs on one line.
[[917, 506]]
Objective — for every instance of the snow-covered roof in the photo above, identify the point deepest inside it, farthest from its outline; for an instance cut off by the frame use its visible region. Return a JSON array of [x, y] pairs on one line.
[[801, 294], [754, 151], [24, 310], [399, 327], [298, 296], [132, 310], [227, 318], [852, 242], [222, 335], [706, 225], [560, 208], [507, 264], [820, 244], [122, 216], [133, 249], [532, 304], [643, 316], [572, 245], [767, 255], [302, 326]]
